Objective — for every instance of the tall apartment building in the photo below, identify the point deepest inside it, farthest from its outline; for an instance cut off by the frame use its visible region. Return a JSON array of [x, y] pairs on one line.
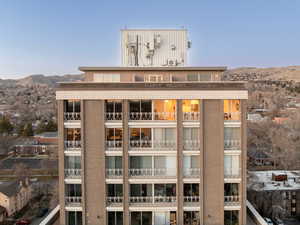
[[159, 145]]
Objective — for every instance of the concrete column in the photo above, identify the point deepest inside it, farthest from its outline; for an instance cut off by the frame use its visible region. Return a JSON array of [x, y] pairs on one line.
[[83, 185], [126, 191], [94, 142], [61, 157], [243, 165], [179, 185], [213, 159]]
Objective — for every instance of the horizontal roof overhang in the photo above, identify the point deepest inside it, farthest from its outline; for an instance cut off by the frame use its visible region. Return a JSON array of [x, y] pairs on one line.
[[217, 68]]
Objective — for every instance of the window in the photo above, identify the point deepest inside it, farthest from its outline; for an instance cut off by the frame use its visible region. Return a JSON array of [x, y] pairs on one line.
[[164, 109], [141, 218], [114, 190], [73, 190], [113, 137], [231, 189], [113, 162], [99, 77], [73, 218], [73, 134], [165, 165], [191, 217], [113, 109], [115, 218], [191, 109], [72, 162], [140, 137], [72, 106], [164, 137], [140, 110], [191, 189], [140, 162], [232, 110], [231, 217], [232, 138], [163, 218], [153, 78], [231, 165], [199, 77], [140, 190]]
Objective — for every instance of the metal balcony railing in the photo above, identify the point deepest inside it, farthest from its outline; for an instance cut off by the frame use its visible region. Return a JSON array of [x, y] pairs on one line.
[[114, 145], [191, 145], [152, 172], [114, 172], [69, 116], [73, 200], [191, 116], [191, 198], [232, 200], [113, 116], [152, 199], [232, 116], [72, 173], [164, 199], [140, 116], [232, 144], [191, 172], [140, 144], [73, 145], [114, 199]]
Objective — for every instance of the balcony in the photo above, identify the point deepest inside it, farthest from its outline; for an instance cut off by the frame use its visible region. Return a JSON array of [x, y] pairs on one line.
[[191, 172], [114, 145], [232, 200], [73, 201], [152, 199], [191, 199], [115, 200], [113, 116], [232, 116], [152, 172], [114, 173], [191, 145], [73, 173], [72, 116], [231, 145], [140, 143], [72, 145], [191, 116], [165, 144], [140, 116]]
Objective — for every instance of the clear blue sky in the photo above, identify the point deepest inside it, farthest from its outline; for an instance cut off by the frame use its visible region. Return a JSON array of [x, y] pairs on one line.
[[57, 36]]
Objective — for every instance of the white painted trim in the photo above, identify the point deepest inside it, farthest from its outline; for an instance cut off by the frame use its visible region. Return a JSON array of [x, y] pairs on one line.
[[153, 208], [152, 94], [232, 180], [114, 180], [72, 124], [113, 153], [191, 208], [72, 153], [73, 180], [73, 208], [191, 180], [235, 207], [153, 124], [232, 124], [152, 153], [191, 152], [114, 208], [113, 124], [191, 124], [232, 152], [153, 181]]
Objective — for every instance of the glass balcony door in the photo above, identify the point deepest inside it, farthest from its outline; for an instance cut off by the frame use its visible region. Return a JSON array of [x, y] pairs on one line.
[[73, 190], [164, 109], [140, 110], [191, 192], [191, 138], [72, 162], [73, 218], [141, 218], [231, 166], [191, 217], [231, 217], [140, 137], [232, 110], [114, 137], [115, 218], [164, 137], [191, 110], [191, 165], [113, 110], [163, 218], [232, 138], [165, 165]]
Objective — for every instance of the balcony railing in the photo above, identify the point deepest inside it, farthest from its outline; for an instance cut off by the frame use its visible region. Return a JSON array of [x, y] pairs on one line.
[[191, 116], [114, 199], [151, 199], [164, 115], [140, 144], [114, 145], [232, 116], [191, 145], [164, 144], [191, 172], [232, 144], [152, 116], [152, 172], [114, 172], [113, 116], [73, 200], [141, 199], [191, 198], [72, 145], [69, 116], [140, 116], [232, 200], [73, 173], [230, 175]]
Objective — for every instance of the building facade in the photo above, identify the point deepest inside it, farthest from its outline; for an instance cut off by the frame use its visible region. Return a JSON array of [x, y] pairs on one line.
[[152, 146]]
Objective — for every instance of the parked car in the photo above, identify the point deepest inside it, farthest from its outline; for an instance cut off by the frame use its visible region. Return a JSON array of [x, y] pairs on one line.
[[23, 222], [278, 221], [269, 221]]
